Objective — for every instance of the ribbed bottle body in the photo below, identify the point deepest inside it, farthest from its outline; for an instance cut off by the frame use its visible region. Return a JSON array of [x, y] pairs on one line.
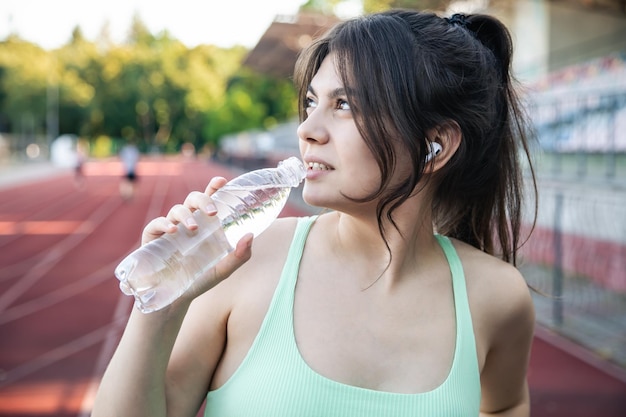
[[162, 270]]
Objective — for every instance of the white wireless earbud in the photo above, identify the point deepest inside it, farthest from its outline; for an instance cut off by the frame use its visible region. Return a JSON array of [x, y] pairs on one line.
[[435, 149]]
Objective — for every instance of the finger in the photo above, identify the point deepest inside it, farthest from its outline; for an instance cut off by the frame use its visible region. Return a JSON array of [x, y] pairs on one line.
[[183, 215], [241, 254], [215, 184], [157, 228], [200, 201], [224, 268], [243, 250]]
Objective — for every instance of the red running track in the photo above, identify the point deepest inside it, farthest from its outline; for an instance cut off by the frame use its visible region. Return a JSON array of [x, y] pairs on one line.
[[61, 313]]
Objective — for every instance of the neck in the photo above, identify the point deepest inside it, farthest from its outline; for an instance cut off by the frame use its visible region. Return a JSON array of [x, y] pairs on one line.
[[403, 251]]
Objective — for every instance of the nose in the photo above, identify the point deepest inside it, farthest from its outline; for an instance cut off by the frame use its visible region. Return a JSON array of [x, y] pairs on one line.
[[312, 129]]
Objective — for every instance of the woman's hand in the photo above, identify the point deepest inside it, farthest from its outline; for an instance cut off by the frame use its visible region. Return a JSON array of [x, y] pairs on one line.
[[181, 215]]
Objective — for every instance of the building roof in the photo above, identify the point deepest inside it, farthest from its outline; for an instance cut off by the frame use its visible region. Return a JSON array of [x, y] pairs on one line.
[[276, 52]]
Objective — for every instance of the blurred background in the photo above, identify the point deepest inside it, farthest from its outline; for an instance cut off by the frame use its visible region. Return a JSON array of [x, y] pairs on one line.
[[78, 81]]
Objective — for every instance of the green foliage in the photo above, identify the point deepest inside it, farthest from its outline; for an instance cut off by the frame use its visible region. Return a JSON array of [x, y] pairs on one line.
[[151, 89], [26, 70], [380, 5], [321, 6], [369, 6], [252, 101]]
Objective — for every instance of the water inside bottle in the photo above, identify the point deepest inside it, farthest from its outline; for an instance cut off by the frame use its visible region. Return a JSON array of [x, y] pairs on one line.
[[157, 284], [264, 204]]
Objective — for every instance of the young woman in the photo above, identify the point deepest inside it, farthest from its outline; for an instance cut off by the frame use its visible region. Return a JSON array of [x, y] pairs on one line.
[[402, 299]]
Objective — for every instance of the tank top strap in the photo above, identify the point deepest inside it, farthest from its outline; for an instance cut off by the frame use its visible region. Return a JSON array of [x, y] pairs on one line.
[[458, 276], [466, 349], [278, 320], [292, 266]]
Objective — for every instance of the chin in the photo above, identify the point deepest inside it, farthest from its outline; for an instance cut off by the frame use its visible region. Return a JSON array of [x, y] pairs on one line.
[[313, 201], [316, 199]]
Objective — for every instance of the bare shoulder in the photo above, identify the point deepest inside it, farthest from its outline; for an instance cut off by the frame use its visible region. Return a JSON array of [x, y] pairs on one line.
[[498, 294]]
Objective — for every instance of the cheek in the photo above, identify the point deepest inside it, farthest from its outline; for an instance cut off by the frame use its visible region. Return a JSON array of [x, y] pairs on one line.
[[301, 148], [359, 157], [361, 177], [361, 167]]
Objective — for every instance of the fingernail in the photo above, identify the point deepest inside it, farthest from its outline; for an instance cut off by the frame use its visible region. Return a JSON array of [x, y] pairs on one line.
[[211, 209], [191, 222]]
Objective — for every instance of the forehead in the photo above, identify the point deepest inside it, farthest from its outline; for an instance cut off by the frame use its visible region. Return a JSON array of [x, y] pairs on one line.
[[327, 75]]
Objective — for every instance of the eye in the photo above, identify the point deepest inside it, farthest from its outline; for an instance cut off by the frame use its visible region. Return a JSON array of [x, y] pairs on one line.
[[342, 104], [309, 103]]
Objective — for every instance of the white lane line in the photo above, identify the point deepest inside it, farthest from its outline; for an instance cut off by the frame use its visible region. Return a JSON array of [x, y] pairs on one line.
[[54, 256], [49, 299], [110, 342], [121, 313], [56, 354]]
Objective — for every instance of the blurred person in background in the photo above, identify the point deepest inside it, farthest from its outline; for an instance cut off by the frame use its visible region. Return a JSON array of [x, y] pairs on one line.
[[79, 167], [401, 299], [129, 155]]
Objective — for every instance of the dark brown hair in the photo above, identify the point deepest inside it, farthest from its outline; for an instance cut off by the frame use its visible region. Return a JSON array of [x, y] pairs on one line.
[[407, 72]]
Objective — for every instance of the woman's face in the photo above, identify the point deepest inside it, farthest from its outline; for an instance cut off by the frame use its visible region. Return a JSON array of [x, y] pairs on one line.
[[339, 162]]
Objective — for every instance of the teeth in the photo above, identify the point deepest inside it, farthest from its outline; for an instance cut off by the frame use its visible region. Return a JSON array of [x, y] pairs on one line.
[[316, 166]]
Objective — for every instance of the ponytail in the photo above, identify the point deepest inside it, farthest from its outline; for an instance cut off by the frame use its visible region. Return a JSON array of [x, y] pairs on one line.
[[510, 133], [495, 37]]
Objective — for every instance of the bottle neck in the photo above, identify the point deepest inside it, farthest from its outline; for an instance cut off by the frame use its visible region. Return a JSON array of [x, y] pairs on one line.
[[293, 169]]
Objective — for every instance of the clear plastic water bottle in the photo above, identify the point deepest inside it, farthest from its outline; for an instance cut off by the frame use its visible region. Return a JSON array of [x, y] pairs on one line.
[[159, 272]]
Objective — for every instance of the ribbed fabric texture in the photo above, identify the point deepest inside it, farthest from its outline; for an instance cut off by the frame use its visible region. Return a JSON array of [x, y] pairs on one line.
[[274, 381]]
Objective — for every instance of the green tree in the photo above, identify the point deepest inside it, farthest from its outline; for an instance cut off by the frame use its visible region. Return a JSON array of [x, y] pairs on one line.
[[151, 88], [75, 92], [328, 6], [379, 5], [26, 70], [321, 6], [253, 101]]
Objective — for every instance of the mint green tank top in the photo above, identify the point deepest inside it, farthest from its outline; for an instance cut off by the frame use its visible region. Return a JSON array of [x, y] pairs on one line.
[[274, 380]]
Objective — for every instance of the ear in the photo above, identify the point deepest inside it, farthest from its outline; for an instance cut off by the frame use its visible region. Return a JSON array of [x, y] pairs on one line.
[[448, 136]]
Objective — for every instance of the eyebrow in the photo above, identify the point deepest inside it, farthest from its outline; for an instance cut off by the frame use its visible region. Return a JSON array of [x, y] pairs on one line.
[[337, 92]]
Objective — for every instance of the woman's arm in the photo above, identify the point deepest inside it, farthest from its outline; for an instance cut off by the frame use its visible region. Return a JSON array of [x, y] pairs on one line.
[[142, 379], [522, 409], [503, 378], [134, 382]]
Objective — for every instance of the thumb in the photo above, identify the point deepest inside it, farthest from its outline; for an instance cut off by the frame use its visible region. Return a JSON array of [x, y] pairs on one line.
[[224, 268], [241, 254]]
